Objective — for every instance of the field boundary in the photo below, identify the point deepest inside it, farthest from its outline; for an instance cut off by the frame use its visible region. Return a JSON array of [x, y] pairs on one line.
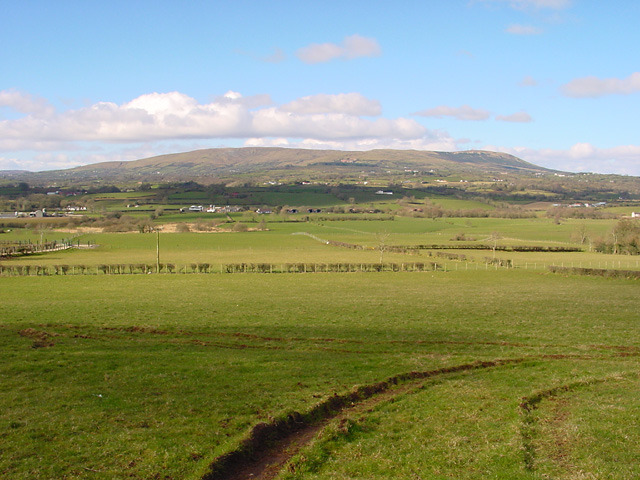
[[207, 268], [595, 272], [465, 246]]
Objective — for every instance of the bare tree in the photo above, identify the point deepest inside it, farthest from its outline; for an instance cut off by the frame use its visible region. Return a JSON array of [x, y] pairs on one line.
[[382, 238], [494, 237], [581, 234]]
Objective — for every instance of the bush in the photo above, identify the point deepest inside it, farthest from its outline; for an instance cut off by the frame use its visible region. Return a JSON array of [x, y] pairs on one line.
[[599, 272], [240, 227]]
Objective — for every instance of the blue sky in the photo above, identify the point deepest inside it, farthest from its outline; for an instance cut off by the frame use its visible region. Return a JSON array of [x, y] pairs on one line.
[[555, 82]]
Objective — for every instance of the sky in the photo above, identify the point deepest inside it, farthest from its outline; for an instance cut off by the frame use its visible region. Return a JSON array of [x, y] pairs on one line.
[[554, 82]]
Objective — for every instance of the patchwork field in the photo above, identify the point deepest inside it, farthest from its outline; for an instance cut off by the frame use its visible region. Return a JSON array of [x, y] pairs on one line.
[[470, 371]]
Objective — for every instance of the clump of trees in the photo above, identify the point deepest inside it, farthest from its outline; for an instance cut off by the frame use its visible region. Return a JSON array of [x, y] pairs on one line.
[[558, 213], [430, 210], [623, 239]]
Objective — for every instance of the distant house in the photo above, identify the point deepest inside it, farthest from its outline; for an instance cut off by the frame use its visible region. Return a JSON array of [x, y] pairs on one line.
[[196, 208], [262, 211], [230, 209], [382, 192]]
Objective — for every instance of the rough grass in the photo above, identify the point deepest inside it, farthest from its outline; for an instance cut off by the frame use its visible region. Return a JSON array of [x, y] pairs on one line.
[[154, 376], [468, 426]]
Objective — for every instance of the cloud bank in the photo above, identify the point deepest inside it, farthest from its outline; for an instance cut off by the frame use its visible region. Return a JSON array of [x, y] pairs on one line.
[[108, 131], [581, 157], [35, 136], [174, 115]]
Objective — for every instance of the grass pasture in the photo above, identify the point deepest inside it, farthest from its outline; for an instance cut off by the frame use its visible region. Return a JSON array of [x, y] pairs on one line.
[[157, 376]]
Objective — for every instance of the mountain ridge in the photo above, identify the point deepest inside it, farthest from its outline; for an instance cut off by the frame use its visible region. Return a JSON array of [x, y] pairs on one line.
[[225, 164]]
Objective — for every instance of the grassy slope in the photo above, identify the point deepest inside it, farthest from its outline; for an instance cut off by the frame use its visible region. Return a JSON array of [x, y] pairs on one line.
[[281, 157], [240, 164]]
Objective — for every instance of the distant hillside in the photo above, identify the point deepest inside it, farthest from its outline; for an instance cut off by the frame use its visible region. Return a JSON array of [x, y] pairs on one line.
[[257, 164]]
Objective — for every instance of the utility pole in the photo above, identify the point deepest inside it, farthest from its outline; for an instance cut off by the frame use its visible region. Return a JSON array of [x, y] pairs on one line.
[[157, 250]]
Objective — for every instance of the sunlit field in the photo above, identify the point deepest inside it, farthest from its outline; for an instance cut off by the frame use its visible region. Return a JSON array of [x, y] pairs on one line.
[[157, 376]]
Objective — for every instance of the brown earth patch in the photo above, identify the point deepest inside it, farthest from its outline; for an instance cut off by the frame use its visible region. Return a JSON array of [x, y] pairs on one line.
[[41, 339]]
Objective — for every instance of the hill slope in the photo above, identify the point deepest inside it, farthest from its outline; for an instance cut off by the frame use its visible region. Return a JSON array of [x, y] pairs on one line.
[[228, 164]]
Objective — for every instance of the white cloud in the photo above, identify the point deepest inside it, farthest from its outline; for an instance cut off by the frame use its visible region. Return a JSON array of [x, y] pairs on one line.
[[465, 112], [533, 4], [11, 164], [25, 103], [528, 81], [597, 87], [465, 53], [272, 122], [518, 117], [581, 157], [349, 103], [433, 140], [517, 29], [49, 161], [276, 57], [354, 46], [174, 116], [551, 4]]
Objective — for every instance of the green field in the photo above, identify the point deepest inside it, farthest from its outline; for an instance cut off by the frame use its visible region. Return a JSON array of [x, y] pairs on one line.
[[157, 376], [286, 242]]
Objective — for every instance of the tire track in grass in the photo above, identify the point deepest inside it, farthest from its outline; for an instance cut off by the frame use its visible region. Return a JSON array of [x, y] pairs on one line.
[[198, 336], [269, 446], [531, 403]]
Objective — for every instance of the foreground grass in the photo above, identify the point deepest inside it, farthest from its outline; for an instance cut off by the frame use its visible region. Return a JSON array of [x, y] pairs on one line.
[[154, 376], [471, 426]]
